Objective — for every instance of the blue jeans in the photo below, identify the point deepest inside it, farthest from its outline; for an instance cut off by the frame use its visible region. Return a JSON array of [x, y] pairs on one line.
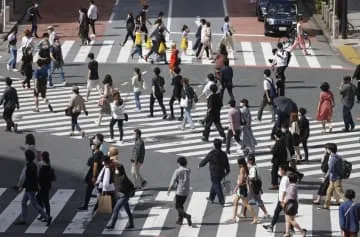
[[187, 118], [137, 50], [216, 189], [121, 202], [348, 120], [137, 99], [48, 69], [33, 201], [34, 26], [12, 60], [59, 69]]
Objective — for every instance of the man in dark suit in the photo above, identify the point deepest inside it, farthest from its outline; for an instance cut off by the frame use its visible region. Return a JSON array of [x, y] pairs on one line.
[[198, 35], [226, 76]]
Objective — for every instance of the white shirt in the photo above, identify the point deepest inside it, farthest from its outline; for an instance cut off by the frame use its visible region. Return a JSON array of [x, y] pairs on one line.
[[284, 183], [206, 91], [299, 30], [138, 85], [267, 85], [203, 33], [252, 172], [117, 112], [281, 58], [27, 42], [92, 12], [226, 29], [52, 37], [103, 180]]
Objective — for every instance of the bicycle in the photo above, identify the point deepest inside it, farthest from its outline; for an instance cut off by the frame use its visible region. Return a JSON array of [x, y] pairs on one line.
[[350, 29], [288, 40]]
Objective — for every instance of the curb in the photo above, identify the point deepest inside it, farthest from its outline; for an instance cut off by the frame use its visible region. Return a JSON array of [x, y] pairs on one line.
[[350, 54]]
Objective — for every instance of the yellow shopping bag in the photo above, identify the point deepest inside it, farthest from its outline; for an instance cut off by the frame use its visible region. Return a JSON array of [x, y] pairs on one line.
[[148, 44], [162, 48]]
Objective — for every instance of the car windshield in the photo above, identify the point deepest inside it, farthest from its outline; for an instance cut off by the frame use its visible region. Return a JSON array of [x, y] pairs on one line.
[[276, 8]]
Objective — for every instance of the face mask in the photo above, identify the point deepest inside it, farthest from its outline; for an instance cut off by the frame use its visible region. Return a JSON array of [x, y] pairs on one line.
[[241, 104], [283, 130], [279, 173]]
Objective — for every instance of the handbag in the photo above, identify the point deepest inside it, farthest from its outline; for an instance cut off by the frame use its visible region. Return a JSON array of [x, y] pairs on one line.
[[105, 205], [68, 111], [162, 48], [226, 185], [126, 117], [184, 102], [148, 44]]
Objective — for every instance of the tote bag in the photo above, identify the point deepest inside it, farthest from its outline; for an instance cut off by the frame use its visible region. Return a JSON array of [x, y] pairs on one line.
[[105, 206], [162, 48]]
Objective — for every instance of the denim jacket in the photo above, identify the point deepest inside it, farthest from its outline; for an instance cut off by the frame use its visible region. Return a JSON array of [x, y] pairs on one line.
[[334, 167], [350, 222]]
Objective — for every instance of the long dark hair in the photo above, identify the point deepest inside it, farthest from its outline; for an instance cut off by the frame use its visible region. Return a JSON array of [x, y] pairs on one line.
[[242, 162], [138, 73]]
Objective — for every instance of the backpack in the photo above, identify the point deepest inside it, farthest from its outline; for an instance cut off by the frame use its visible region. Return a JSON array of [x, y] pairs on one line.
[[346, 168], [272, 91]]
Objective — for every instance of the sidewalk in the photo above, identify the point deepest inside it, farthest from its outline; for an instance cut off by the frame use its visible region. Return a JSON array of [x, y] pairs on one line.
[[350, 47]]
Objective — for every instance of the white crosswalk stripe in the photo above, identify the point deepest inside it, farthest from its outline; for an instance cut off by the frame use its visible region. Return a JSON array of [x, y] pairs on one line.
[[245, 53], [165, 136], [160, 216]]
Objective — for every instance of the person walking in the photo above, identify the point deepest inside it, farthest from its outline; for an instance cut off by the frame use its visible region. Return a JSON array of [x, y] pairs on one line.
[[241, 191], [210, 80], [11, 101], [281, 62], [130, 27], [138, 83], [184, 39], [137, 160], [93, 75], [295, 134], [46, 177], [299, 40], [199, 38], [12, 41], [349, 215], [76, 105], [234, 130], [334, 172], [181, 181], [83, 27], [325, 107], [117, 107], [52, 35], [206, 41], [95, 163], [92, 14], [154, 38], [27, 41], [44, 56], [41, 75], [356, 77], [227, 34], [304, 127], [269, 95], [33, 14], [188, 98], [106, 97], [348, 92], [26, 67], [219, 168], [226, 79], [177, 83], [57, 60], [284, 183], [138, 43], [174, 59], [157, 92], [213, 115], [279, 157], [124, 192], [248, 141], [144, 20], [290, 205], [29, 182]]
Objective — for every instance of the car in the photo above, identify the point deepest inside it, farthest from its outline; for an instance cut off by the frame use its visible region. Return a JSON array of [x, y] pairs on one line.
[[261, 9], [280, 16]]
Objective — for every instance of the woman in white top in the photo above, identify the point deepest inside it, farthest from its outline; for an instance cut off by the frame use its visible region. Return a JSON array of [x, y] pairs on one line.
[[299, 40], [295, 132], [138, 86], [211, 80], [105, 98], [117, 115], [207, 41], [27, 41]]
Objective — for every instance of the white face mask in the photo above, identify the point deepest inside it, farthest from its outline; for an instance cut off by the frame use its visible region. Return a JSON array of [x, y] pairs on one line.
[[283, 130], [279, 173], [242, 104]]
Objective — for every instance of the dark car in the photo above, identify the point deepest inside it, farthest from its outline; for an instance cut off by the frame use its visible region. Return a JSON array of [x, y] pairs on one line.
[[261, 9], [280, 16]]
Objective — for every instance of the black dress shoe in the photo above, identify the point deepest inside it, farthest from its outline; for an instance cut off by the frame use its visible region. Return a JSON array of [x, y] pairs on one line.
[[130, 225], [188, 218]]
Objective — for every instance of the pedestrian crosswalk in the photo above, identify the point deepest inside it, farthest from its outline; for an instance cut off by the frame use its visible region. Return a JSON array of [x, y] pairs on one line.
[[246, 54], [155, 215], [166, 136]]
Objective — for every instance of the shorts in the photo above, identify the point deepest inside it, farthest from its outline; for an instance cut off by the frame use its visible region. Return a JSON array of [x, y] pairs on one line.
[[243, 191], [41, 91], [92, 84], [291, 208]]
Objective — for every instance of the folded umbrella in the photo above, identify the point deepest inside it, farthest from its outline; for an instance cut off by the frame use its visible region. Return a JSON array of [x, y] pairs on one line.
[[285, 105]]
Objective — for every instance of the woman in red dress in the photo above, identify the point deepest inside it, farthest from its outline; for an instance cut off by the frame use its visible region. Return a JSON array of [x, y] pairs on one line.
[[173, 59], [325, 106]]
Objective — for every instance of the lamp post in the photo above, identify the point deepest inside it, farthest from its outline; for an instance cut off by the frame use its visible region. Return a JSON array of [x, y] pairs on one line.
[[333, 19]]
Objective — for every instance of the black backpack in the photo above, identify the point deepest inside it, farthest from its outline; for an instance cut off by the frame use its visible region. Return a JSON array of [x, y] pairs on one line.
[[346, 168]]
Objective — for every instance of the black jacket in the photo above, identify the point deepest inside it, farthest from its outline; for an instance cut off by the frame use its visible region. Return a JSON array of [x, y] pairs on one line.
[[214, 104], [31, 178], [218, 163], [10, 98], [304, 127], [130, 24], [198, 32], [138, 152], [226, 76], [279, 153], [97, 157], [177, 83], [46, 176], [289, 142]]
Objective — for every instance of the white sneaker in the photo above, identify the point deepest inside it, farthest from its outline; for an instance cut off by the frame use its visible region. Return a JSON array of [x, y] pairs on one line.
[[8, 67], [64, 83], [120, 142], [97, 122], [110, 140], [15, 70]]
